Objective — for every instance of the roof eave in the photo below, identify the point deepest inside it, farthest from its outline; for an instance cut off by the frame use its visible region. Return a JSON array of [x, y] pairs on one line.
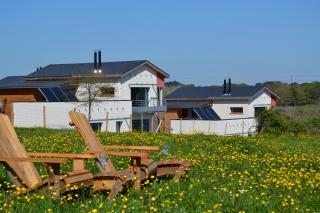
[[207, 99], [71, 77], [166, 75]]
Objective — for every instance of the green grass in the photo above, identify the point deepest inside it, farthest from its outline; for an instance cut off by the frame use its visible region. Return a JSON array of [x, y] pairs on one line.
[[229, 174]]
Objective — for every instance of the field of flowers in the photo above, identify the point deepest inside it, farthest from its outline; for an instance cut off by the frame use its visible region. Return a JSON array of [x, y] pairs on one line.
[[229, 174]]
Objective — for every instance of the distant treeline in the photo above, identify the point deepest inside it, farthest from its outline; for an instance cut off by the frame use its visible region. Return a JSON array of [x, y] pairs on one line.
[[290, 94]]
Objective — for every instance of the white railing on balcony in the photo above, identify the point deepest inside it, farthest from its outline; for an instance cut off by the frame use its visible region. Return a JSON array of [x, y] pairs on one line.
[[142, 106], [148, 103]]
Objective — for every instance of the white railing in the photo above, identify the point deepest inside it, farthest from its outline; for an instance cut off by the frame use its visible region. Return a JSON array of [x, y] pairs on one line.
[[148, 103], [245, 126]]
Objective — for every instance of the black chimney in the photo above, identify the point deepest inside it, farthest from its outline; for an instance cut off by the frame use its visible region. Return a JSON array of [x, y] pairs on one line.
[[99, 60], [229, 92], [95, 66], [224, 86]]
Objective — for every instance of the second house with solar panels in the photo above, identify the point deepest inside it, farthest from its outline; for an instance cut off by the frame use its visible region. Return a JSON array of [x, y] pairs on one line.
[[124, 95], [222, 110]]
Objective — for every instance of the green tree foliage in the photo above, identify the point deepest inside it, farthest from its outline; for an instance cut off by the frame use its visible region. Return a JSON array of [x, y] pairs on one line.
[[295, 93]]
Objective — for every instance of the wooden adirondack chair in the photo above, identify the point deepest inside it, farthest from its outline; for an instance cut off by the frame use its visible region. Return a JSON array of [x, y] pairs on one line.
[[144, 167], [22, 171], [20, 167]]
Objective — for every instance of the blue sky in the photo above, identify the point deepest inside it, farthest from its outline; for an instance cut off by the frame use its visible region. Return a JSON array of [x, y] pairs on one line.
[[199, 42]]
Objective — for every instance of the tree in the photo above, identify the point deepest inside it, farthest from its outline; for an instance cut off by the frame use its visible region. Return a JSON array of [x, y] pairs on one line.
[[88, 91]]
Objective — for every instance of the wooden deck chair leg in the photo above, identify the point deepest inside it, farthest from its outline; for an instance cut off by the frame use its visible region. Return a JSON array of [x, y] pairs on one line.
[[54, 178], [136, 167], [117, 187], [180, 172]]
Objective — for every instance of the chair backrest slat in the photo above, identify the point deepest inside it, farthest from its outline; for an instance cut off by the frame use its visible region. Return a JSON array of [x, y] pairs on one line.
[[84, 128], [10, 147]]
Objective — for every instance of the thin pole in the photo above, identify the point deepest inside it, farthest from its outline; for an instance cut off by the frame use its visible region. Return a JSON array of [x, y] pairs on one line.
[[193, 126], [44, 117], [107, 121], [130, 123], [152, 118], [141, 116]]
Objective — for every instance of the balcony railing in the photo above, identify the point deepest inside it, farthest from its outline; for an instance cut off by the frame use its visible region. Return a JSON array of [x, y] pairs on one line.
[[149, 106]]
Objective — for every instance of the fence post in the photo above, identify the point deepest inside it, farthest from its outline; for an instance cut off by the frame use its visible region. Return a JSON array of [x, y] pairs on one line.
[[225, 130], [209, 128], [130, 123], [193, 126], [152, 128], [242, 128], [180, 124], [165, 123], [44, 116], [107, 121]]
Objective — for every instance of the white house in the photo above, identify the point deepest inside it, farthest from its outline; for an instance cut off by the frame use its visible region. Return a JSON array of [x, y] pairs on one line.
[[64, 87], [218, 102]]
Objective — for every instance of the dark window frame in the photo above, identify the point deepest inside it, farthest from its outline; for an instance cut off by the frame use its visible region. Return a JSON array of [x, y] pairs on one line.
[[107, 92], [236, 110]]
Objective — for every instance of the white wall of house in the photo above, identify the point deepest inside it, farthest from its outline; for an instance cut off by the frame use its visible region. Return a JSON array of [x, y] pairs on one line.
[[223, 107], [219, 127], [143, 76], [30, 114]]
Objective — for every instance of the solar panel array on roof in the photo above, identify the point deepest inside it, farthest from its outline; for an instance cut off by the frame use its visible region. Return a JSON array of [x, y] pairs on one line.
[[59, 94], [206, 114], [54, 94]]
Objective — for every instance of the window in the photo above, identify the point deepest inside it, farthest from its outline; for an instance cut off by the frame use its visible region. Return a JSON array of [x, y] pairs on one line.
[[96, 126], [118, 126], [236, 110], [106, 92], [140, 125]]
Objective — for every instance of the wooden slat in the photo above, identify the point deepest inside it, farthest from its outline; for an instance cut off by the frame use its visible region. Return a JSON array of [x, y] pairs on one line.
[[174, 162], [167, 171], [141, 148], [84, 128], [10, 147], [36, 160], [124, 154], [78, 178], [62, 155], [122, 173], [78, 164], [77, 172]]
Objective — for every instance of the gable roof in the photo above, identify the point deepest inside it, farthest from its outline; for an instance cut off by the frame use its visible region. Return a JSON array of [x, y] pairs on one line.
[[20, 82], [115, 69], [216, 92]]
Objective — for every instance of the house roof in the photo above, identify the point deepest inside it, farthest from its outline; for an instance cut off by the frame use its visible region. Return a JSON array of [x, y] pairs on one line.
[[20, 82], [215, 92], [118, 68]]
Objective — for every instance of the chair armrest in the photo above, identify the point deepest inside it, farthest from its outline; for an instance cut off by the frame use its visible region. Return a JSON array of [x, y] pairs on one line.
[[140, 148], [124, 154], [36, 160], [62, 155]]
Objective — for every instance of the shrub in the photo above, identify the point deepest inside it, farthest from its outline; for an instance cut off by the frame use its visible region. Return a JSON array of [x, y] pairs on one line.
[[277, 122]]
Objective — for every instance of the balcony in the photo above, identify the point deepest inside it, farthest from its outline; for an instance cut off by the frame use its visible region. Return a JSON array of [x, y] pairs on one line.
[[140, 106]]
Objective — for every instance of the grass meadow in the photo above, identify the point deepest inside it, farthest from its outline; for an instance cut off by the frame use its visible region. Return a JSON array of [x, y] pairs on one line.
[[229, 174]]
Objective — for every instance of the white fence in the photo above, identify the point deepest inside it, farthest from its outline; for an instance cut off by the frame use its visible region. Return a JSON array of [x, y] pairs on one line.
[[243, 126], [55, 114]]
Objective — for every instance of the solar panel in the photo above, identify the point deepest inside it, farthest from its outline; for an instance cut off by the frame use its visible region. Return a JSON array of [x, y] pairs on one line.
[[48, 94], [59, 94], [206, 114], [70, 93]]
